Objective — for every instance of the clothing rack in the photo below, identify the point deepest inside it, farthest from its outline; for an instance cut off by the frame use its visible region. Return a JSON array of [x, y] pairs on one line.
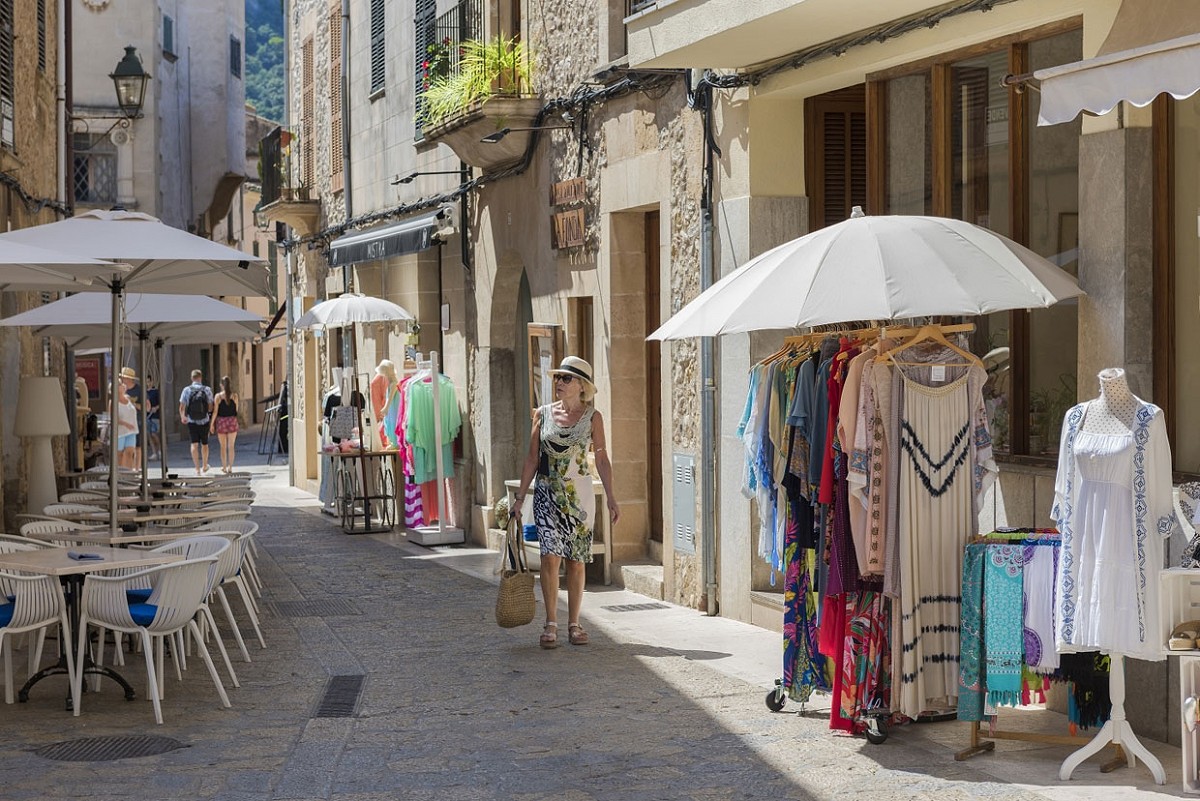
[[983, 741], [441, 534]]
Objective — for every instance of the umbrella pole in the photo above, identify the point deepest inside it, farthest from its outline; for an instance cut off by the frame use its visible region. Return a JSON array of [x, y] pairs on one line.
[[113, 389], [362, 434], [143, 415], [162, 427]]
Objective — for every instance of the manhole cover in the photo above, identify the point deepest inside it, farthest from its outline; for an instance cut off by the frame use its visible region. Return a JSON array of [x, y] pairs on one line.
[[106, 749], [330, 607], [341, 697], [636, 607]]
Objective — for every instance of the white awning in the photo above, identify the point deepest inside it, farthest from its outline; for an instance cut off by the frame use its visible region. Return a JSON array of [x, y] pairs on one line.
[[1153, 47]]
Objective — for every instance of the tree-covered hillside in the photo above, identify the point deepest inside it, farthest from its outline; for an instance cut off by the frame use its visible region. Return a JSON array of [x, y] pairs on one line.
[[264, 57]]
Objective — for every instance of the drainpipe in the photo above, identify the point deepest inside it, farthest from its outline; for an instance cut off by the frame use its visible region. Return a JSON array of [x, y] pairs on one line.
[[708, 388], [293, 398]]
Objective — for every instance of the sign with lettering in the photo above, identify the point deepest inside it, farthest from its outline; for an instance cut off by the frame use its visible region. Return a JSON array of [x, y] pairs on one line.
[[568, 228], [564, 193]]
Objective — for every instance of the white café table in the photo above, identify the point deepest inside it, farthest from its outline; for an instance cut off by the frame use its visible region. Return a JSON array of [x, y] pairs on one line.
[[56, 562]]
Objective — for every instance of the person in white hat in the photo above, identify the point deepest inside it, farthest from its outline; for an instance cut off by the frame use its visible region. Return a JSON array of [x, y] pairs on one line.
[[563, 499], [128, 454]]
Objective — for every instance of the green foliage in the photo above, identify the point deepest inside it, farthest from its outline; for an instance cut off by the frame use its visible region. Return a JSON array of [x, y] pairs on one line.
[[264, 74], [484, 69]]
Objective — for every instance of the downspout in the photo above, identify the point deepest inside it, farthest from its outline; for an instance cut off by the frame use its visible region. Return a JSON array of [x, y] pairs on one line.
[[708, 388], [347, 193], [291, 363]]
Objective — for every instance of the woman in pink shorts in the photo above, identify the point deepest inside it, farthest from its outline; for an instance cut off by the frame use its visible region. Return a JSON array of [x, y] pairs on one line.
[[225, 423]]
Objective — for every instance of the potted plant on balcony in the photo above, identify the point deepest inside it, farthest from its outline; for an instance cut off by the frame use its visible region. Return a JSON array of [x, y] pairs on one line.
[[485, 69]]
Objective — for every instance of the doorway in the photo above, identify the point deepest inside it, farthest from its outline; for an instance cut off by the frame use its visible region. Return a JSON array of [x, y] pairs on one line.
[[654, 424]]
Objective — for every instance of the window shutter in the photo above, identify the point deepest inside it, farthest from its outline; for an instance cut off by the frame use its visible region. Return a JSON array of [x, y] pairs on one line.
[[307, 101], [378, 74], [41, 35], [8, 82], [836, 157], [424, 35], [336, 148]]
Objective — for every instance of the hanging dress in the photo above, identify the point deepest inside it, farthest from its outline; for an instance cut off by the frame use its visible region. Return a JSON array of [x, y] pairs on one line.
[[945, 456], [1113, 507], [564, 497]]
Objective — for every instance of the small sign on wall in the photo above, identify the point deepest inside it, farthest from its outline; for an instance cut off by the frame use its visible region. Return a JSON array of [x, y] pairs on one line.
[[568, 228], [572, 190]]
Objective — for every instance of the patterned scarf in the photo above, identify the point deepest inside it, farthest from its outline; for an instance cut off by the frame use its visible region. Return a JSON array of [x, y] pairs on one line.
[[1003, 628], [970, 676]]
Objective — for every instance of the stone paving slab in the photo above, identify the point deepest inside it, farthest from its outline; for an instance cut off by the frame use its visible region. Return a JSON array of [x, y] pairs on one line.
[[664, 704]]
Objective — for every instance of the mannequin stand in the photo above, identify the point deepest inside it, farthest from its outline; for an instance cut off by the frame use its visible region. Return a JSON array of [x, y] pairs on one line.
[[440, 533], [1116, 731]]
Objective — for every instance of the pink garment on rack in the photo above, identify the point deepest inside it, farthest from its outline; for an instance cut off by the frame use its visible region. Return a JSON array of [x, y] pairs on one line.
[[414, 512], [403, 449]]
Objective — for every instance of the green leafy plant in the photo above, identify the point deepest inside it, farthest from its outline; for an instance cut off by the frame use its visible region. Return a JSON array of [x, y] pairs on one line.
[[485, 69]]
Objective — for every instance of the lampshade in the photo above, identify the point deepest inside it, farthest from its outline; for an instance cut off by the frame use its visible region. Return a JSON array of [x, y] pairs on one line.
[[41, 408]]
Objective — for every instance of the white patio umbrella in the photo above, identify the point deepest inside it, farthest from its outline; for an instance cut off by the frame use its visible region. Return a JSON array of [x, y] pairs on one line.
[[160, 259], [348, 310], [26, 267], [85, 321], [875, 268]]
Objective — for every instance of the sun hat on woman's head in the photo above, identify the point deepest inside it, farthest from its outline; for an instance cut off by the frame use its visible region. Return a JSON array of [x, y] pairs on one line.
[[128, 373], [575, 366]]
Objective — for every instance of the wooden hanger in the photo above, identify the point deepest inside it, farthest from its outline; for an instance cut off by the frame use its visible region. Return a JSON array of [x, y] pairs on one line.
[[931, 333]]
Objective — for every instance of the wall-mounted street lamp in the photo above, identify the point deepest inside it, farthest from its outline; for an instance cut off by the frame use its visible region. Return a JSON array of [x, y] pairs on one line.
[[129, 78], [408, 179], [495, 137]]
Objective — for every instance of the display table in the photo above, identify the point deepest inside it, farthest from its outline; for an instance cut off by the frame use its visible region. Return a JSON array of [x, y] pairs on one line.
[[601, 533], [364, 490]]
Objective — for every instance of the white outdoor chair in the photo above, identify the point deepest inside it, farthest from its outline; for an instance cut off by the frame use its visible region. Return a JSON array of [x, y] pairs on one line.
[[178, 591], [231, 574], [72, 509], [249, 563], [37, 604], [43, 531]]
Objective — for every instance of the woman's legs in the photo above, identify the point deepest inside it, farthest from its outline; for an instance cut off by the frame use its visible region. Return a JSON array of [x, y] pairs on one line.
[[548, 575], [227, 441], [575, 582]]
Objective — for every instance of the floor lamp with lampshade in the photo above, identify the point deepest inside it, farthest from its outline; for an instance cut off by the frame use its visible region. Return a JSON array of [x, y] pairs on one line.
[[41, 414]]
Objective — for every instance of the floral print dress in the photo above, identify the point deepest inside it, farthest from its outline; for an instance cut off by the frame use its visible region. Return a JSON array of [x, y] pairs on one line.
[[564, 498]]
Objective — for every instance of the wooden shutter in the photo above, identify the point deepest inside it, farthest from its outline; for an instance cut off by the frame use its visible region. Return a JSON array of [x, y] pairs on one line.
[[424, 34], [836, 154], [336, 145], [41, 35], [378, 73], [307, 112], [8, 80]]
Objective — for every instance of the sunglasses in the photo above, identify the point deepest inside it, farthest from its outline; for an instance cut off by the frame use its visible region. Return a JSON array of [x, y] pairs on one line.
[[566, 379]]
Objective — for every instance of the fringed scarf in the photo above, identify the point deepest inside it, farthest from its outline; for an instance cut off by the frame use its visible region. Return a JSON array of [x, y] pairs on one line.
[[1003, 630], [970, 674]]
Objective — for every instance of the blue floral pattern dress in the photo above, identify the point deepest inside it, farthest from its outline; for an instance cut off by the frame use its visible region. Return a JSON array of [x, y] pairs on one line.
[[564, 499]]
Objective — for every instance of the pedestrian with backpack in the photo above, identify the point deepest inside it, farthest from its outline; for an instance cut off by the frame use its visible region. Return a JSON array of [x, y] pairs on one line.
[[195, 411]]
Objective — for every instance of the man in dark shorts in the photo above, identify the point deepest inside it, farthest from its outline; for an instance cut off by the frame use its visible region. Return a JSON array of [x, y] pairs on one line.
[[195, 411]]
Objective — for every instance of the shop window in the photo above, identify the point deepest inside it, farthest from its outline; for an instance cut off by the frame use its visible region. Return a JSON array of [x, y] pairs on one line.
[[95, 169], [984, 160], [1182, 302]]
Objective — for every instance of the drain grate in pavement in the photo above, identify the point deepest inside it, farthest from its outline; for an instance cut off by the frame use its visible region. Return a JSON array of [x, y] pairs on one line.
[[341, 697], [635, 607], [107, 749], [330, 607]]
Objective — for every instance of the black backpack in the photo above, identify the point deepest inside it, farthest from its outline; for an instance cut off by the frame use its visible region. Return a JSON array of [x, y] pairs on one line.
[[197, 405]]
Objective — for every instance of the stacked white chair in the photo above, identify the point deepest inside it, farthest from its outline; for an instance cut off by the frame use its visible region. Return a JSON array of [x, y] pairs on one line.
[[178, 591]]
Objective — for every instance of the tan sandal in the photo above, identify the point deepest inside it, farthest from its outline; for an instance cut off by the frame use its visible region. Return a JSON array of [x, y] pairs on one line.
[[1183, 636], [549, 638], [576, 635]]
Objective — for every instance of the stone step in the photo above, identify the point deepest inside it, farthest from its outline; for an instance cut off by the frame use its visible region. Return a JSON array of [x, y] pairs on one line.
[[643, 579]]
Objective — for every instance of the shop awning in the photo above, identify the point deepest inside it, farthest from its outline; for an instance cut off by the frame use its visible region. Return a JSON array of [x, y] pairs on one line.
[[1153, 47], [408, 236]]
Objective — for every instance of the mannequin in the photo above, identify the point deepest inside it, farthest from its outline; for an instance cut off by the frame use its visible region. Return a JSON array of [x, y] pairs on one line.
[[1114, 509], [385, 403], [1114, 412]]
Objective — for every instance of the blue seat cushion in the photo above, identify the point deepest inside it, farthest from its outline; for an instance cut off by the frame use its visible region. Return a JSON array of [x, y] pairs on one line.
[[139, 596], [142, 613], [6, 613]]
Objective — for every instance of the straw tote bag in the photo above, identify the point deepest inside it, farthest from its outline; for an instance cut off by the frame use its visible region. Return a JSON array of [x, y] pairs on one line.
[[515, 603]]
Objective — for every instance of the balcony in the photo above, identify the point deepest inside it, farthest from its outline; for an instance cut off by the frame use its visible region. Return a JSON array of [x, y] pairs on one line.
[[469, 86], [284, 200], [734, 34]]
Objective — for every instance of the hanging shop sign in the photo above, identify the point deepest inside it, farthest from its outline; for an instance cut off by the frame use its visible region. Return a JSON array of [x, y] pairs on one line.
[[568, 224], [568, 228]]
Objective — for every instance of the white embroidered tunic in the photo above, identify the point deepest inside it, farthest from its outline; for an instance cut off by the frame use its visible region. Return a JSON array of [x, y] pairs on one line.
[[1113, 508]]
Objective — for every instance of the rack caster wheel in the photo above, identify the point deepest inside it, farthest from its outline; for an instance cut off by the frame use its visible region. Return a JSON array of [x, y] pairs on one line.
[[877, 732], [777, 698]]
